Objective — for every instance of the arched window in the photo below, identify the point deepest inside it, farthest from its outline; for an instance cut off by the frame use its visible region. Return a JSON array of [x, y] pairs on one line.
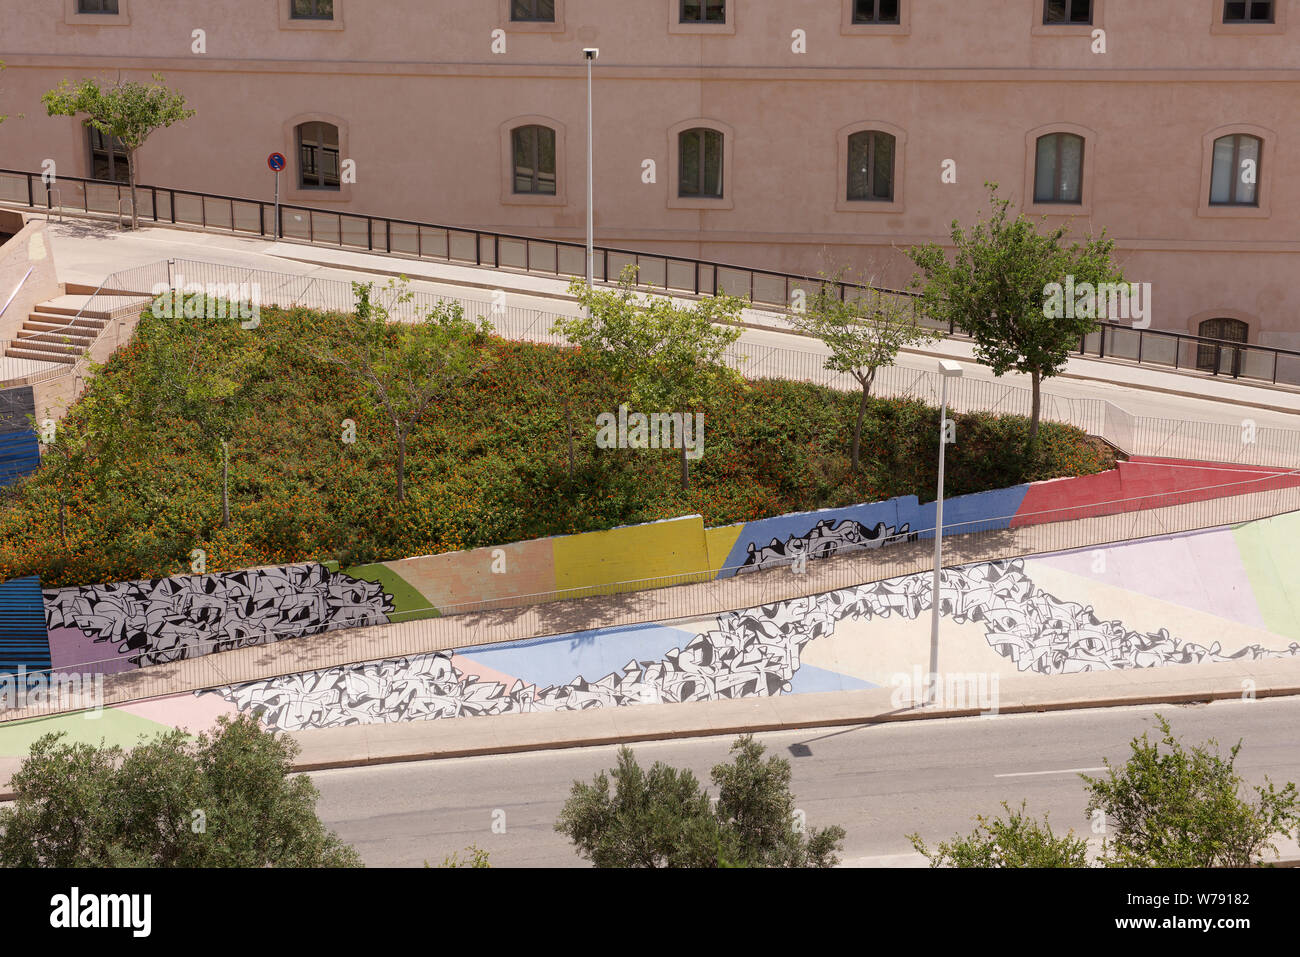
[[1058, 169], [699, 163], [1234, 180], [1212, 357], [871, 166], [318, 155], [533, 148]]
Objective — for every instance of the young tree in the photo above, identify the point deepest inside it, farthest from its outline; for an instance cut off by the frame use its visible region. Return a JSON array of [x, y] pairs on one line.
[[225, 799], [403, 366], [129, 111], [663, 818], [667, 357], [864, 333], [200, 370], [1180, 808], [996, 289], [1019, 841]]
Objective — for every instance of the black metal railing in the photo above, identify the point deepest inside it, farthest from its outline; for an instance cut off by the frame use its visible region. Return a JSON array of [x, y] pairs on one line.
[[563, 258]]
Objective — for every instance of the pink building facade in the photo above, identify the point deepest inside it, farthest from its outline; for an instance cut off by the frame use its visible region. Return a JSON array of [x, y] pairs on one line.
[[790, 134]]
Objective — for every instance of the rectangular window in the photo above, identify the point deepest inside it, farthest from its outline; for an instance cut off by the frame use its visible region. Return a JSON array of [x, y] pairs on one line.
[[1058, 171], [700, 168], [311, 9], [1234, 179], [1067, 11], [97, 6], [704, 11], [534, 149], [107, 157], [875, 11], [1248, 11], [318, 156], [532, 11]]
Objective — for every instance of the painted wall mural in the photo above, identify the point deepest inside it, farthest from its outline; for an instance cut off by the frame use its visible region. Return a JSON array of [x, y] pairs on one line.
[[169, 619], [761, 651], [826, 539], [153, 622]]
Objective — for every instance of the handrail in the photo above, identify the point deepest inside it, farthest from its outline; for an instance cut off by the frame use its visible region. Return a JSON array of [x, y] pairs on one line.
[[21, 282], [705, 273]]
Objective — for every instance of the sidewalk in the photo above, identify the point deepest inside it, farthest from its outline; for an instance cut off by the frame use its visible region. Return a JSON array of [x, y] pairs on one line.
[[87, 251], [362, 745]]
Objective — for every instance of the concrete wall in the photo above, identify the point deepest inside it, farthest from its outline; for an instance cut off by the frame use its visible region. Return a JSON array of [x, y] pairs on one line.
[[28, 249]]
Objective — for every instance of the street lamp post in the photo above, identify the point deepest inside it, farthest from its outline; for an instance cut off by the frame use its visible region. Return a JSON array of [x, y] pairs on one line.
[[590, 53], [947, 370]]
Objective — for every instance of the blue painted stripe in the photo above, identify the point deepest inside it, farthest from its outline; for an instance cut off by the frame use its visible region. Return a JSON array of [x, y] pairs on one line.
[[20, 454], [23, 639]]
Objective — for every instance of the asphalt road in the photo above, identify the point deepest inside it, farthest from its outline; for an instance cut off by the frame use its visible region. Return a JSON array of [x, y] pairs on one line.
[[879, 782]]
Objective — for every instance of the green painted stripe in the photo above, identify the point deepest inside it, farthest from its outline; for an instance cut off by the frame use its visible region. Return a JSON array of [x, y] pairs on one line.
[[408, 603]]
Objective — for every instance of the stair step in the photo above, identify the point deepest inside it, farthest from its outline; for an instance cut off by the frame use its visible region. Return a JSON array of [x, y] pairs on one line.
[[68, 340], [21, 352], [40, 323], [55, 309]]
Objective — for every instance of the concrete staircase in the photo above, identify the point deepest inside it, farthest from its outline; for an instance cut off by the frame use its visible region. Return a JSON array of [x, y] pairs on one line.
[[63, 329]]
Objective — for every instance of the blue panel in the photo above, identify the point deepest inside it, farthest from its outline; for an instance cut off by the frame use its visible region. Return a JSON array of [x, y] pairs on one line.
[[23, 640], [20, 454]]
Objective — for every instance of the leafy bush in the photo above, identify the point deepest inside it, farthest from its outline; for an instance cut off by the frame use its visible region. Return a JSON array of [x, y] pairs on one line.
[[486, 466]]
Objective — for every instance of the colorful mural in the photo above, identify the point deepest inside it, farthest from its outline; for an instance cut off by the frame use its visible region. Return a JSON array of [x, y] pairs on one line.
[[1186, 599], [127, 625], [132, 624]]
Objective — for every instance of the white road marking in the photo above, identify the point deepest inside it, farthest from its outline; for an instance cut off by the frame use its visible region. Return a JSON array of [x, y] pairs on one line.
[[1030, 774]]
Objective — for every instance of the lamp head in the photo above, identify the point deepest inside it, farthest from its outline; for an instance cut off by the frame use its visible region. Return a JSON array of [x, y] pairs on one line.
[[949, 369], [590, 52]]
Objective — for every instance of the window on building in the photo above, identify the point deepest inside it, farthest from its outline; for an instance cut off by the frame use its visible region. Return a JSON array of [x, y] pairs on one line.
[[1058, 169], [1248, 11], [534, 152], [1211, 357], [311, 9], [532, 11], [97, 6], [107, 157], [704, 11], [700, 163], [871, 166], [875, 11], [318, 156], [1067, 11], [1235, 179]]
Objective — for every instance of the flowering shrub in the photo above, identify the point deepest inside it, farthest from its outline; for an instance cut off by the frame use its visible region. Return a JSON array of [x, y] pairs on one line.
[[488, 465]]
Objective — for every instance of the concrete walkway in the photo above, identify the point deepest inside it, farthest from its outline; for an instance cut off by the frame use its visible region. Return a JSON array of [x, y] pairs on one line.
[[86, 251]]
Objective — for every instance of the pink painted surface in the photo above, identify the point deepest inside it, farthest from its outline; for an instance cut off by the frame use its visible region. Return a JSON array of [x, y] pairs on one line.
[[1199, 571], [187, 711], [468, 666], [72, 649]]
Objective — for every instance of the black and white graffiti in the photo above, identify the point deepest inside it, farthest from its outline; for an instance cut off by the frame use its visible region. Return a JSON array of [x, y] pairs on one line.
[[752, 653], [169, 619], [825, 540]]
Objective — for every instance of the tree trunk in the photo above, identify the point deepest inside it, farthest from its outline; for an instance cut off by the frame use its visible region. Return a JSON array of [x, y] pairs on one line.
[[1035, 411], [130, 170], [857, 429], [401, 465], [225, 485], [686, 469], [568, 428]]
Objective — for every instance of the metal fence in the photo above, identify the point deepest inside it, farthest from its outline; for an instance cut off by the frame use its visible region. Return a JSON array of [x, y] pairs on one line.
[[681, 597], [563, 259]]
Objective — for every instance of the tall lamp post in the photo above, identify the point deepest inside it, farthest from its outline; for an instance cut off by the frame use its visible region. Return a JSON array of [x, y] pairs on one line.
[[947, 370], [590, 53]]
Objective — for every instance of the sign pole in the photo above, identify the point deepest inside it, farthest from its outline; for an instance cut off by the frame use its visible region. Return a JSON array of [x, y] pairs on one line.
[[276, 162]]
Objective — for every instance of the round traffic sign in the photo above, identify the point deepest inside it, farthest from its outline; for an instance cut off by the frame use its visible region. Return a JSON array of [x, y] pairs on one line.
[[276, 161]]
